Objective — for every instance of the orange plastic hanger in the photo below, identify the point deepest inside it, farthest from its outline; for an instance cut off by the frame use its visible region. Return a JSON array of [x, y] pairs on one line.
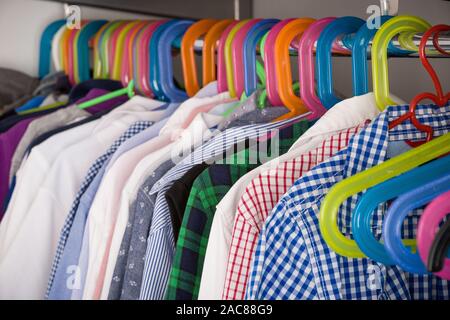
[[126, 73], [209, 50], [187, 54], [283, 66]]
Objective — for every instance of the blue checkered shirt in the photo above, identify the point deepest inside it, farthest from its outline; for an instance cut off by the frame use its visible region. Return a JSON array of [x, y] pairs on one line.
[[92, 172], [292, 261]]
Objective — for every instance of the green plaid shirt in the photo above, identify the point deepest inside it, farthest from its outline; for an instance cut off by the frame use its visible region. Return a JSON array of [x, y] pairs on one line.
[[207, 191]]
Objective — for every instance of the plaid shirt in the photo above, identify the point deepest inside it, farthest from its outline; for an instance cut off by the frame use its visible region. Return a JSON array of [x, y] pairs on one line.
[[161, 242], [260, 197], [92, 172], [208, 189], [292, 261]]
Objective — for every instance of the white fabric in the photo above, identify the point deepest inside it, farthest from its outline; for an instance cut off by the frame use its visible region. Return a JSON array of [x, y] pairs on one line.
[[27, 253], [346, 114]]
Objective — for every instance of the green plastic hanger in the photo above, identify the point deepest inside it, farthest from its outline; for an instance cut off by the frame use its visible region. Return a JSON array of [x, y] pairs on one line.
[[129, 90], [328, 216]]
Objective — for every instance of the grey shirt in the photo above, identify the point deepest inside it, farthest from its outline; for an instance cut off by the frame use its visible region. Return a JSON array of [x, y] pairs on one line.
[[14, 85], [127, 276]]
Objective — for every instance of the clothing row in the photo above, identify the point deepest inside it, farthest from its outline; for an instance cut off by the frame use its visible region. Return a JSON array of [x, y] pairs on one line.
[[210, 198]]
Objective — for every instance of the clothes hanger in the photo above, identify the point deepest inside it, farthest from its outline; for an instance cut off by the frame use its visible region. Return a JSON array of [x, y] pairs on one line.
[[45, 46], [154, 70], [328, 215], [126, 72], [112, 45], [306, 66], [269, 62], [361, 41], [55, 49], [144, 58], [229, 56], [198, 29], [64, 49], [135, 58], [252, 67], [118, 47], [164, 58], [237, 51], [105, 40], [222, 81], [71, 50], [389, 29], [97, 63], [363, 213], [432, 241], [393, 222], [283, 66], [209, 50], [439, 98], [82, 68], [129, 90], [338, 27]]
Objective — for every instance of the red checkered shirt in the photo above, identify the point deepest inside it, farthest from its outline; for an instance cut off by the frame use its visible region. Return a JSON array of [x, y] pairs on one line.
[[258, 200]]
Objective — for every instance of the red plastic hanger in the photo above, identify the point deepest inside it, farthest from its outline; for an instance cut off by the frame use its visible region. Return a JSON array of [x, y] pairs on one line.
[[439, 98]]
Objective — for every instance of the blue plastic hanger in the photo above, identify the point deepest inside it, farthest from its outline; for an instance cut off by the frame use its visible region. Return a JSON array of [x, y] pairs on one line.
[[393, 223], [31, 104], [340, 26], [45, 46], [164, 58], [363, 213], [153, 60], [82, 46], [254, 35], [359, 44]]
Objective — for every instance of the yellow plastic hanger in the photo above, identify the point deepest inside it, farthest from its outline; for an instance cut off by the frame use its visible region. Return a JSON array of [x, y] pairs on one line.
[[229, 56], [396, 25], [119, 50], [328, 216]]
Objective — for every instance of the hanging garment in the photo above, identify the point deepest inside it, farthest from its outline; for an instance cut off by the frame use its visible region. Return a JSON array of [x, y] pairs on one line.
[[292, 261], [160, 242], [356, 110], [92, 174], [54, 198]]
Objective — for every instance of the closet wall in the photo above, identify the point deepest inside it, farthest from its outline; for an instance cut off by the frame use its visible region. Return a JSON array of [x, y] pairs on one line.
[[22, 21]]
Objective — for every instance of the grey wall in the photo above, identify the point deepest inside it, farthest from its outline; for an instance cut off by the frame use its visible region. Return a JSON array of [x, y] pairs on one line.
[[407, 76]]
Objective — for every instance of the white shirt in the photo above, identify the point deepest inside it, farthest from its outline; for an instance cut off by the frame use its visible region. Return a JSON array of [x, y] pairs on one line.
[[346, 114], [28, 253]]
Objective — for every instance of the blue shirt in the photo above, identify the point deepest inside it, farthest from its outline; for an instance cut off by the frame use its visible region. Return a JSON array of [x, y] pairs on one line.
[[292, 261]]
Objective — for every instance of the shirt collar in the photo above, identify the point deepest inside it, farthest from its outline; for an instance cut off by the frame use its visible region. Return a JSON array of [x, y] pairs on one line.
[[346, 114]]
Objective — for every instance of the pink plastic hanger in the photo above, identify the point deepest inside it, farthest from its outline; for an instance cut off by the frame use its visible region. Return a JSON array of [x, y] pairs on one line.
[[127, 66], [269, 63], [429, 222], [238, 53], [221, 66], [113, 45], [143, 58], [306, 66], [71, 57]]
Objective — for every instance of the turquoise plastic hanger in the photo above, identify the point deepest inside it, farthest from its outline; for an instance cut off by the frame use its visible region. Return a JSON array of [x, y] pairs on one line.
[[393, 223], [251, 41], [360, 44], [363, 214], [153, 60], [164, 58], [82, 46], [45, 46], [340, 26]]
